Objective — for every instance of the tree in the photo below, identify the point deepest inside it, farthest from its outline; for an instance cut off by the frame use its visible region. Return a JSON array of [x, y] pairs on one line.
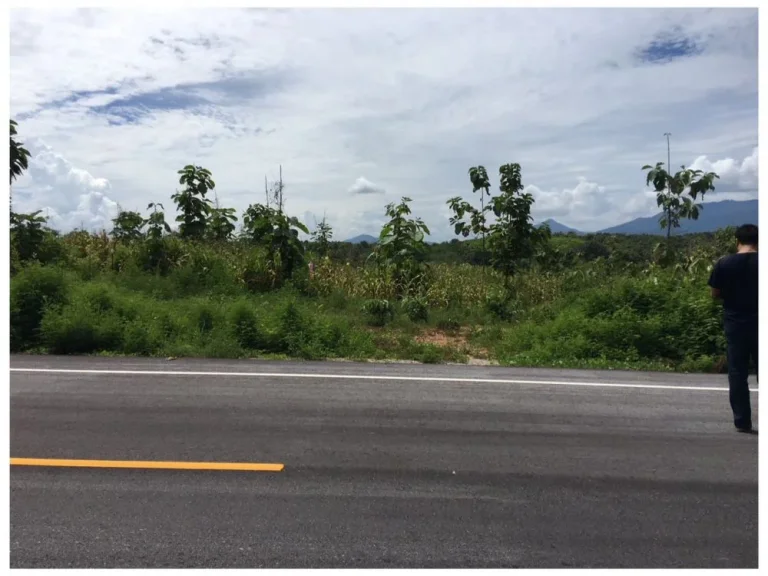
[[278, 233], [477, 223], [222, 223], [27, 234], [19, 155], [19, 161], [676, 194], [401, 245], [156, 224], [193, 206], [513, 237], [127, 226], [322, 236]]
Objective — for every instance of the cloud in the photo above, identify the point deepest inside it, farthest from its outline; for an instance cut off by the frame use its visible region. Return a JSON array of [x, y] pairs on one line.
[[69, 196], [364, 186], [735, 176], [411, 98]]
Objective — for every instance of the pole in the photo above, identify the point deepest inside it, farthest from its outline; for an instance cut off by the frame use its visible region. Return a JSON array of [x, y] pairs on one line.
[[669, 186]]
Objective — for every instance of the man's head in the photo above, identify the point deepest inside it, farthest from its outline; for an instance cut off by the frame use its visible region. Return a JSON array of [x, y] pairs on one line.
[[746, 236]]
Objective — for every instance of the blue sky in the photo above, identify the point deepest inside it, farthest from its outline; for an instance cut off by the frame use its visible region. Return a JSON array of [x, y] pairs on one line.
[[362, 107]]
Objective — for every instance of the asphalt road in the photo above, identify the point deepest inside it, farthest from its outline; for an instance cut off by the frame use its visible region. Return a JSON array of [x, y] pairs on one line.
[[385, 466]]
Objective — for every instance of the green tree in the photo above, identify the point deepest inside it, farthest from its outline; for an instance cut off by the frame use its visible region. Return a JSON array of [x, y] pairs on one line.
[[19, 155], [27, 234], [193, 206], [401, 246], [676, 194], [127, 226], [514, 239], [222, 223], [477, 220], [278, 233], [322, 235], [19, 160]]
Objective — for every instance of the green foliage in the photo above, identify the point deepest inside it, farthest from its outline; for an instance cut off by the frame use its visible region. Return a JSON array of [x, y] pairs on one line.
[[222, 224], [19, 156], [401, 248], [416, 308], [514, 240], [322, 236], [245, 328], [127, 226], [33, 290], [27, 235], [671, 192], [278, 234], [378, 311], [192, 204]]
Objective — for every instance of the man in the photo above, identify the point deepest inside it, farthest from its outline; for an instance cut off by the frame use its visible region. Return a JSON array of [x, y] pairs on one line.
[[734, 281]]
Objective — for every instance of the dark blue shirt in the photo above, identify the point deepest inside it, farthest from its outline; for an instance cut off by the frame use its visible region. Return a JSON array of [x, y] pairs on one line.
[[736, 278]]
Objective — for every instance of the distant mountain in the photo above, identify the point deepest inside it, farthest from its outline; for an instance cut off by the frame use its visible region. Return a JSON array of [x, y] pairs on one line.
[[715, 215], [557, 228], [362, 238]]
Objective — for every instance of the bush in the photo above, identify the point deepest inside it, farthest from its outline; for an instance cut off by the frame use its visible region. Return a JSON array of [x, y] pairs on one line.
[[33, 289], [378, 312], [416, 309], [244, 326], [76, 330]]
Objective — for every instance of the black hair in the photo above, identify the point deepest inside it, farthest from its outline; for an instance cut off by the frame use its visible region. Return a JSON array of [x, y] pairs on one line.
[[747, 235]]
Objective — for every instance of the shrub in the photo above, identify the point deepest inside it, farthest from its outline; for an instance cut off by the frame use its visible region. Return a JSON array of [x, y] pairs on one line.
[[244, 326], [416, 309], [378, 312], [77, 330], [33, 289]]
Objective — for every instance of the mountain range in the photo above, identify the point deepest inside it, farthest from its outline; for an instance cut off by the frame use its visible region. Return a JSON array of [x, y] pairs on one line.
[[715, 215]]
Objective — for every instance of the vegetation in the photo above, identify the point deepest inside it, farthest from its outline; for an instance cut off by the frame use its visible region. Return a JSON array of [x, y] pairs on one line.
[[220, 286]]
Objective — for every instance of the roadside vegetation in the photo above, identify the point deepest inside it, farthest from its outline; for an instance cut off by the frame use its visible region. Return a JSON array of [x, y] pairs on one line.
[[227, 285]]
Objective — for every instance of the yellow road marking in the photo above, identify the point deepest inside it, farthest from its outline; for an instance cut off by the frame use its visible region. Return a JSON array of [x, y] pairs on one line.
[[237, 466]]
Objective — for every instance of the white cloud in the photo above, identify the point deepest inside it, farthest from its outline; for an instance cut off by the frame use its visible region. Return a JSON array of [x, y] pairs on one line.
[[69, 196], [735, 176], [409, 97], [364, 186]]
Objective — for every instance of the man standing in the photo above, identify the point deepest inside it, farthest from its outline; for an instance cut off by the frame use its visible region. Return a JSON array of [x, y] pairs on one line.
[[734, 281]]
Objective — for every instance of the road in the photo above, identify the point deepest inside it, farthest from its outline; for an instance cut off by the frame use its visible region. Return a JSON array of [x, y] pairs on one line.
[[385, 466]]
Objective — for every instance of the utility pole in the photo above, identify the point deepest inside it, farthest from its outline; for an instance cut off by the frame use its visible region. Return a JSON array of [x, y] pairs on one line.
[[669, 188]]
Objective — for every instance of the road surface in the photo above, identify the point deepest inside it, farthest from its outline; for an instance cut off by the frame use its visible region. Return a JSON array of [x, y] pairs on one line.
[[384, 466]]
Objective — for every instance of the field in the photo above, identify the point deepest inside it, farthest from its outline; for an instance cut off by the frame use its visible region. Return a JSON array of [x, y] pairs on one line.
[[595, 301]]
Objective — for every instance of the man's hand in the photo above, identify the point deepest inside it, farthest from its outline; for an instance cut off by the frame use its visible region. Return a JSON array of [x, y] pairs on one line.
[[716, 293]]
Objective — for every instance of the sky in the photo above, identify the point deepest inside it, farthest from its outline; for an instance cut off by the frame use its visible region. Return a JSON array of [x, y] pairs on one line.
[[364, 106]]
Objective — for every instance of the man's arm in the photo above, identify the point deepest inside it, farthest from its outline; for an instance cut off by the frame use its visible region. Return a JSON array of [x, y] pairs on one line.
[[715, 281]]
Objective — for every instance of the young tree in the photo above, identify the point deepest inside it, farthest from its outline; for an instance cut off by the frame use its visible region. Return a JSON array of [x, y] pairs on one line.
[[514, 239], [19, 161], [278, 233], [477, 223], [401, 245], [676, 194], [27, 234], [222, 223], [127, 226], [19, 155], [322, 236], [193, 206]]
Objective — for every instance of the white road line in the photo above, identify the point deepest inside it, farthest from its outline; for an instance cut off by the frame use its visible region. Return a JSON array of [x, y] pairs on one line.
[[372, 377]]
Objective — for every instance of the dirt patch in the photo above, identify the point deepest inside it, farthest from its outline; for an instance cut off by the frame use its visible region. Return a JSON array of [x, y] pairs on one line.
[[456, 340]]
